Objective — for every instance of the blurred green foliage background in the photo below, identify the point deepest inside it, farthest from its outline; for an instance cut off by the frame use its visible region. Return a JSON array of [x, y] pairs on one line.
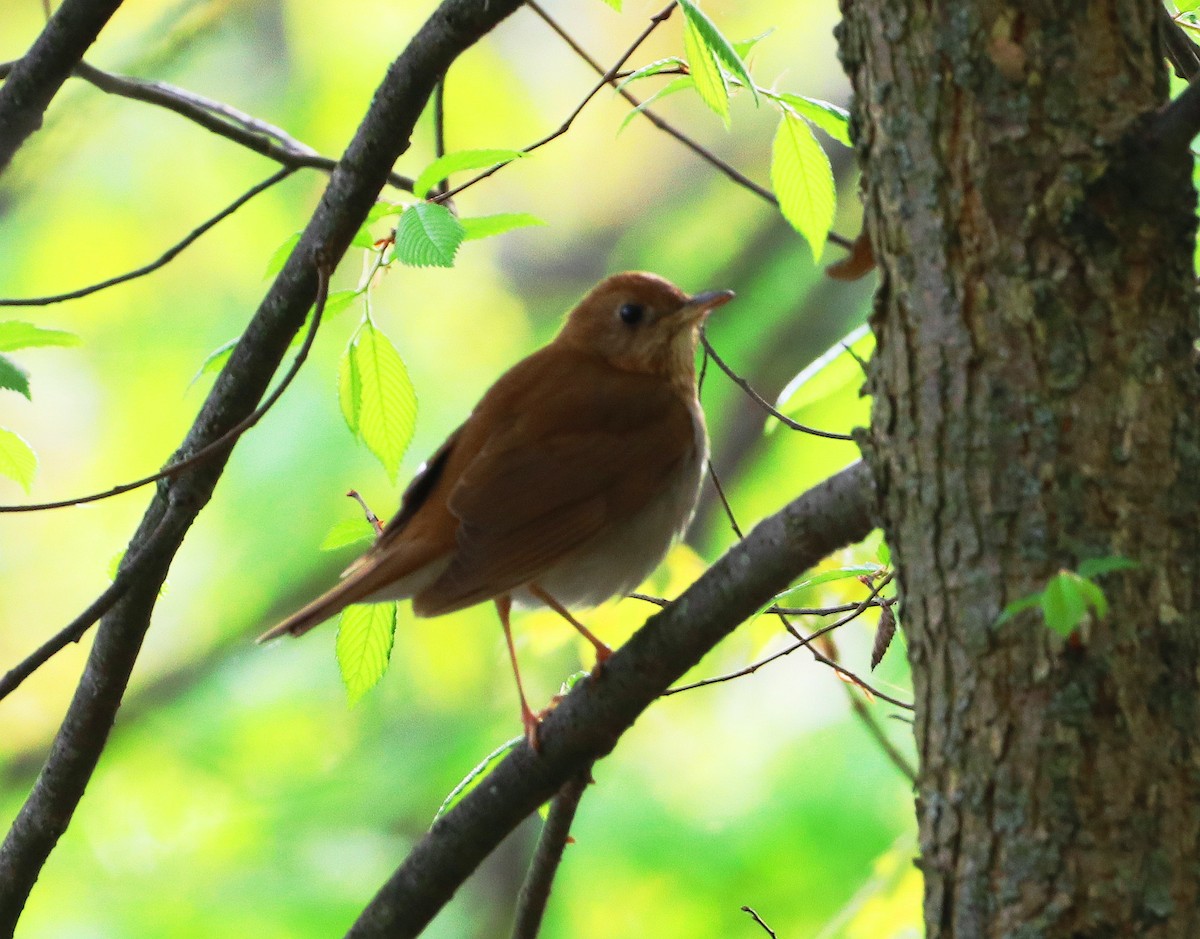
[[240, 794]]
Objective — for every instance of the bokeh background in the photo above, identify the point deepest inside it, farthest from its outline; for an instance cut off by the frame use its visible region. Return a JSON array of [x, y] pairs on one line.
[[240, 794]]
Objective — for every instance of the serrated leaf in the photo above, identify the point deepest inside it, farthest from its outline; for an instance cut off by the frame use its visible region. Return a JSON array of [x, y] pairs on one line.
[[383, 403], [484, 226], [15, 334], [428, 236], [721, 48], [709, 80], [364, 645], [676, 84], [803, 181], [280, 255], [654, 68], [17, 459], [347, 532], [13, 377], [477, 775], [458, 161], [834, 371], [1098, 567], [830, 118]]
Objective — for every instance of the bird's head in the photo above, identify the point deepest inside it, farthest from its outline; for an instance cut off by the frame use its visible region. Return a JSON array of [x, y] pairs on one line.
[[639, 322]]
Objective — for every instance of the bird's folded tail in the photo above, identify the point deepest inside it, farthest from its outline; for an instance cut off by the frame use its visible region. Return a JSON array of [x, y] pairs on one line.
[[373, 578], [327, 605]]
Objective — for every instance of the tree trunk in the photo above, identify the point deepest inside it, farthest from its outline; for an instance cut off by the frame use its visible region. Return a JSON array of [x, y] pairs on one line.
[[1035, 405]]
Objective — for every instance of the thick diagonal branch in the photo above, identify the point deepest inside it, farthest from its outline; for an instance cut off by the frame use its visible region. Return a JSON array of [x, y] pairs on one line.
[[590, 720], [381, 137], [37, 76]]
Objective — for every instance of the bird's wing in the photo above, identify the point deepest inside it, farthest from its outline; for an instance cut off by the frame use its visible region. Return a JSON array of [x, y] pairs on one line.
[[585, 447]]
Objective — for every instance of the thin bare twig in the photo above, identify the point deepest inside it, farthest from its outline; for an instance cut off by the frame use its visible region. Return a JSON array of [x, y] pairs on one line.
[[165, 258], [658, 18], [697, 148], [763, 402], [801, 643], [535, 892], [75, 630], [786, 610], [216, 117], [716, 481], [223, 442], [758, 919]]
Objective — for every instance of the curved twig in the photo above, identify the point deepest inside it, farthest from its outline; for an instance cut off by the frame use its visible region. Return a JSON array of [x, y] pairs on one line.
[[162, 260], [763, 402], [226, 440], [660, 17]]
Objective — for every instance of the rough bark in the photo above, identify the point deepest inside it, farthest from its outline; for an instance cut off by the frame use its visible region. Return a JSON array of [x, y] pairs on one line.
[[1036, 405]]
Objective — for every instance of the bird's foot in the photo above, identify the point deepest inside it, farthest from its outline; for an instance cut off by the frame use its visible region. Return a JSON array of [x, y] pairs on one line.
[[603, 654], [533, 724]]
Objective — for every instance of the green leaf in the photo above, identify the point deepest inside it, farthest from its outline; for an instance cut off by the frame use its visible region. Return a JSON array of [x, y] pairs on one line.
[[830, 118], [484, 226], [477, 775], [721, 48], [363, 237], [349, 387], [883, 553], [347, 532], [825, 577], [17, 335], [383, 210], [706, 72], [215, 360], [1017, 606], [677, 84], [615, 4], [377, 396], [364, 645], [458, 161], [1098, 567], [13, 377], [743, 47], [280, 255], [428, 236], [335, 303], [1064, 603], [17, 459], [834, 371], [803, 181], [659, 65]]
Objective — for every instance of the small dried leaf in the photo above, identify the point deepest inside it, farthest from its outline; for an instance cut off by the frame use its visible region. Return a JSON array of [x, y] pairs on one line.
[[883, 635]]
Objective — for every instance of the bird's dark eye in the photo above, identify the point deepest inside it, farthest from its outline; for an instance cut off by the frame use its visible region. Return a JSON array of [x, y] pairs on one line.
[[631, 313]]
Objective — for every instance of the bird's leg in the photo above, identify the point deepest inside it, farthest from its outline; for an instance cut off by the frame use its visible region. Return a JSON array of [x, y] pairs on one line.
[[602, 650], [530, 721]]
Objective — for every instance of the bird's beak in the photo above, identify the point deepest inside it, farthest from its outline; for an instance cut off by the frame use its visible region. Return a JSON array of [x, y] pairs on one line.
[[700, 305]]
